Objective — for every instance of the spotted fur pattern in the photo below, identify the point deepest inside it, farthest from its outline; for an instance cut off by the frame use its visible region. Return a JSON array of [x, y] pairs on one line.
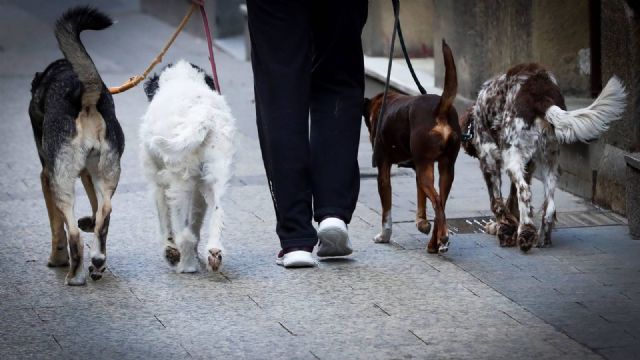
[[519, 120]]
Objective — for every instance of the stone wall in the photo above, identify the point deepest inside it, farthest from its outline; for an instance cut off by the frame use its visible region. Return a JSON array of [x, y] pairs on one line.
[[416, 19], [224, 16]]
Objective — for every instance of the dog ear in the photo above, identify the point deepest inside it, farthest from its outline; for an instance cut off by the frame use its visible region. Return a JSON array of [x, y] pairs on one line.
[[151, 86], [366, 111], [209, 80]]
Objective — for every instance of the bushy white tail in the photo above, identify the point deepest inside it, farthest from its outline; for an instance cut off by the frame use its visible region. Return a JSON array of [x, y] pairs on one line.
[[589, 123]]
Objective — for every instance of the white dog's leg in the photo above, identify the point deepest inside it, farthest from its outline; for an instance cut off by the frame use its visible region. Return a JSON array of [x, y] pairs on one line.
[[181, 198], [171, 253], [214, 242], [515, 159], [550, 178]]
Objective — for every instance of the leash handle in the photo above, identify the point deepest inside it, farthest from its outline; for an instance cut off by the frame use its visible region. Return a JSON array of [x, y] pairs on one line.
[[208, 34], [377, 141]]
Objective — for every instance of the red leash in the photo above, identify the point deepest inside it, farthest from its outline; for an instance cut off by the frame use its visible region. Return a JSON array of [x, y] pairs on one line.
[[207, 32]]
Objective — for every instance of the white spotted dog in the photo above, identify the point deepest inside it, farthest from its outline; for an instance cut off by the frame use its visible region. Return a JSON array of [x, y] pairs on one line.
[[187, 149], [517, 122], [77, 135]]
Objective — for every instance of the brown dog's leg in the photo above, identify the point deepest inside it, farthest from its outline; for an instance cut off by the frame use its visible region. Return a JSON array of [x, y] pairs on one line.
[[62, 185], [446, 169], [424, 172], [59, 252], [384, 190], [88, 223], [421, 212]]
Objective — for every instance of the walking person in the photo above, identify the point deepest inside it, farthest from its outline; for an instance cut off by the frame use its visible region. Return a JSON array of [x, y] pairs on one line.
[[309, 90]]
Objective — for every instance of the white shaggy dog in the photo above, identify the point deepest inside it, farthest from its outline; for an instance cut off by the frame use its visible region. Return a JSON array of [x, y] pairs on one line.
[[187, 149]]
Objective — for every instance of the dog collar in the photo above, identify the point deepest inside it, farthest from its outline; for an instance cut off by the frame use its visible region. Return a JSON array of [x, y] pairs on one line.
[[468, 136]]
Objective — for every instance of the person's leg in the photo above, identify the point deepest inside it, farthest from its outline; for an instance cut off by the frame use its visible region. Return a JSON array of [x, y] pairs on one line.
[[281, 60], [337, 95]]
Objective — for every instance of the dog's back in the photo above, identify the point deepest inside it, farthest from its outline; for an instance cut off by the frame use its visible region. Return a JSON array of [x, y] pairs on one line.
[[185, 116], [70, 86]]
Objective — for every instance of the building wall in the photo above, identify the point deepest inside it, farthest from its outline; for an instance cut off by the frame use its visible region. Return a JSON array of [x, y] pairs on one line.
[[224, 16], [416, 20]]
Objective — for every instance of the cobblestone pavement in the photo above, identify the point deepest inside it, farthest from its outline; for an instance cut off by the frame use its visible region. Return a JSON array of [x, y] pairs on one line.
[[579, 299]]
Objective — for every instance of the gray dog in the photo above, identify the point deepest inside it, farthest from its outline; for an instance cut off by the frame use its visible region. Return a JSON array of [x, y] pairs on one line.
[[77, 135]]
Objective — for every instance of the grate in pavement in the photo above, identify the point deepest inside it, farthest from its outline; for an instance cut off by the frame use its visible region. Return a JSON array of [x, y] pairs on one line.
[[577, 219]]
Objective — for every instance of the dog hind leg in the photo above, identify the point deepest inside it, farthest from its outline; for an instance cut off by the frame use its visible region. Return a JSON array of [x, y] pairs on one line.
[[105, 184], [64, 192], [425, 175], [446, 170], [180, 194], [384, 190], [550, 176], [59, 252], [171, 253], [423, 225], [212, 194], [88, 223], [505, 227], [515, 163]]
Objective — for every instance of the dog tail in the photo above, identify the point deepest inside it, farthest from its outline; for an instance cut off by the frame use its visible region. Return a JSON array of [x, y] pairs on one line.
[[67, 31], [450, 83], [589, 123], [177, 148]]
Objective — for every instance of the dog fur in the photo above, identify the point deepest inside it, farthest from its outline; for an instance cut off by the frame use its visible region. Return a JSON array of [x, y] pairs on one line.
[[187, 150], [418, 131], [519, 120], [77, 135]]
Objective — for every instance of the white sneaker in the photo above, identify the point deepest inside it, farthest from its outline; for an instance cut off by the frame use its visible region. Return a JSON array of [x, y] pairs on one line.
[[293, 259], [333, 238]]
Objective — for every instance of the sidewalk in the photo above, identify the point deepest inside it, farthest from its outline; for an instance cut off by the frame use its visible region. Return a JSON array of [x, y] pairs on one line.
[[577, 300]]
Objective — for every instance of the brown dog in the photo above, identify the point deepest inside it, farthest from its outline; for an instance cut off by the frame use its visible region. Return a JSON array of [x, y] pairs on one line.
[[418, 131]]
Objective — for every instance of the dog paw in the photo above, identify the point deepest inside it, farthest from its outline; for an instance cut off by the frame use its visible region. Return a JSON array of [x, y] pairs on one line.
[[507, 234], [96, 274], [382, 238], [87, 223], [187, 264], [78, 280], [424, 226], [172, 255], [527, 236], [59, 259], [97, 267], [214, 259], [491, 228], [443, 245], [432, 248]]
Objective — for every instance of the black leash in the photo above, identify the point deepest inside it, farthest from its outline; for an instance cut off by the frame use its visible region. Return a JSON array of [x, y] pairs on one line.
[[396, 29]]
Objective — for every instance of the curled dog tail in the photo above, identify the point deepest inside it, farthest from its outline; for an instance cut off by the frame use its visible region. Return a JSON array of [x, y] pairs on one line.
[[450, 83], [179, 147], [67, 31], [589, 123]]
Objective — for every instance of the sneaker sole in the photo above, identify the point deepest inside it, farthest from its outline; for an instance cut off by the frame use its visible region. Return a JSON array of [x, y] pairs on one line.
[[296, 259], [334, 241]]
